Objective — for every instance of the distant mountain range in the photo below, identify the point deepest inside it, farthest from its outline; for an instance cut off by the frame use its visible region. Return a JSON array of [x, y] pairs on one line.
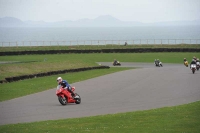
[[101, 21]]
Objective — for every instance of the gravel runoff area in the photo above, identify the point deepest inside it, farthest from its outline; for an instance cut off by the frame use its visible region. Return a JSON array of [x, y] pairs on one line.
[[145, 88]]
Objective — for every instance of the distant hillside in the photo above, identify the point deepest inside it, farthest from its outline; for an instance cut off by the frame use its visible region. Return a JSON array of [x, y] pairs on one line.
[[101, 21], [11, 22]]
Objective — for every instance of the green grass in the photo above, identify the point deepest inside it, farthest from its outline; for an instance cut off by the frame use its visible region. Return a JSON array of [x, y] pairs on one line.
[[108, 46], [29, 86], [55, 62], [177, 119]]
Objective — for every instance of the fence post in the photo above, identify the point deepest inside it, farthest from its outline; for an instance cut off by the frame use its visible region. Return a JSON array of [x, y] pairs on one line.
[[175, 41]]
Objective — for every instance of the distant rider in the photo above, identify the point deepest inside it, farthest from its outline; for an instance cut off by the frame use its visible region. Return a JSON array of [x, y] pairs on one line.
[[193, 62], [185, 62], [158, 61], [115, 61], [155, 61], [65, 85], [197, 60]]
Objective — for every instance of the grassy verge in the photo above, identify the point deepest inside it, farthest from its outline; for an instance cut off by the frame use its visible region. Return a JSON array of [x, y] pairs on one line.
[[178, 119], [109, 46], [45, 63], [29, 86]]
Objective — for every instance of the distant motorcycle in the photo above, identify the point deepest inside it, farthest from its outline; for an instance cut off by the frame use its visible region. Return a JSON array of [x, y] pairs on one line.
[[198, 65], [186, 63], [116, 63], [158, 64], [193, 68], [64, 96]]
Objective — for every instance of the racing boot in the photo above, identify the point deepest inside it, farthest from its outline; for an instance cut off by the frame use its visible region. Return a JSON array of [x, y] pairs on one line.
[[73, 94]]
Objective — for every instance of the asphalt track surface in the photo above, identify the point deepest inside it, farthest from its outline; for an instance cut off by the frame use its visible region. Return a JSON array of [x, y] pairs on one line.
[[147, 87]]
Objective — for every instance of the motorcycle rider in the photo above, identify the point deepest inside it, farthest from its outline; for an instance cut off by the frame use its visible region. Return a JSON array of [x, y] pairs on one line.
[[65, 85], [115, 61], [193, 62], [185, 62], [194, 58], [197, 60], [155, 61]]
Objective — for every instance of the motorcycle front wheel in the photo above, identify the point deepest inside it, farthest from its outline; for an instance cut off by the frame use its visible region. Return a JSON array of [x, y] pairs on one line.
[[62, 100], [78, 100]]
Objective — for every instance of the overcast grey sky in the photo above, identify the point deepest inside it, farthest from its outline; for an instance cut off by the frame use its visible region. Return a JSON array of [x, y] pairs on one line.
[[126, 10]]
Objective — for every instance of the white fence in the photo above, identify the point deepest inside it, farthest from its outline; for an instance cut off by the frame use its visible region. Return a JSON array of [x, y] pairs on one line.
[[101, 42]]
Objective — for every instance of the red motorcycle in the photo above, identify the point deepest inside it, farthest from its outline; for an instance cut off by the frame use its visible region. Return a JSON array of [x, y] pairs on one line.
[[64, 96]]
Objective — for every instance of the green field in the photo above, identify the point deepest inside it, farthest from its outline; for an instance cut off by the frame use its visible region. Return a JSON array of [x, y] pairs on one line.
[[108, 46], [45, 63]]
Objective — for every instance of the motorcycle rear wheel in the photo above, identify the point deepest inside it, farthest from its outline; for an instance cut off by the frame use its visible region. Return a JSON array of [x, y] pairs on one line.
[[193, 71], [62, 100]]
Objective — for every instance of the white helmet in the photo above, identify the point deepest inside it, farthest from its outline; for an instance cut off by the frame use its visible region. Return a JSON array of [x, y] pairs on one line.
[[59, 79]]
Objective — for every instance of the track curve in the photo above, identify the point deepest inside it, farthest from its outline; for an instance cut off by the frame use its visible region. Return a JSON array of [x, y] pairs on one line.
[[136, 89]]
